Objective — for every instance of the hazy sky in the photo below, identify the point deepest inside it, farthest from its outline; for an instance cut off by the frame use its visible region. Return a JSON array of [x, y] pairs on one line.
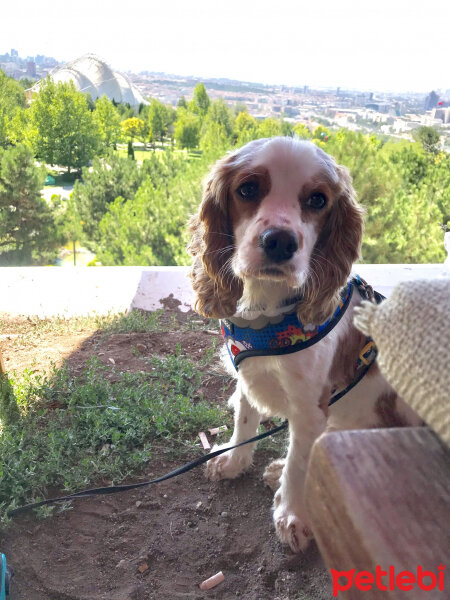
[[386, 45]]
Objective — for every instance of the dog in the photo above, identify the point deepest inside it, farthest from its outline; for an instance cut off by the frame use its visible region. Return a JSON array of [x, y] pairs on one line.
[[276, 235]]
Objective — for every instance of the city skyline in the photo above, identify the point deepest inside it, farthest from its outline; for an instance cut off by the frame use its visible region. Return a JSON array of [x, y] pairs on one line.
[[382, 48]]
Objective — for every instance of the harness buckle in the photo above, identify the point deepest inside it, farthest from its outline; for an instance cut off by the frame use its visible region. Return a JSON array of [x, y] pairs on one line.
[[368, 353]]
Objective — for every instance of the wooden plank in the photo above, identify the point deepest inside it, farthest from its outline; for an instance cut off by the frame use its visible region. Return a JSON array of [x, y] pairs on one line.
[[381, 497]]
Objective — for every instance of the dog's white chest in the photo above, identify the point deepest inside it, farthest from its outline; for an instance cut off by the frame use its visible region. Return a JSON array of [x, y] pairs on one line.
[[279, 385]]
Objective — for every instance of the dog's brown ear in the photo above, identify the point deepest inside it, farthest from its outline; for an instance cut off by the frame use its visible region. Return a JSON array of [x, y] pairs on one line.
[[337, 248], [216, 287]]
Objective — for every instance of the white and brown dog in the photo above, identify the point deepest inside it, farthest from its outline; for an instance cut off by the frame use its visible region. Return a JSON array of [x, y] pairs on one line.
[[279, 224]]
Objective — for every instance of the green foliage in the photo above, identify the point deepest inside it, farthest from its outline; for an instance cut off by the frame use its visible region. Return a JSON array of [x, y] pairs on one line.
[[246, 128], [200, 101], [68, 220], [101, 184], [150, 228], [12, 102], [159, 119], [398, 186], [133, 128], [27, 230], [9, 411], [214, 138], [429, 138], [100, 430], [218, 112], [66, 132], [269, 128], [302, 132], [287, 128], [107, 118], [187, 129]]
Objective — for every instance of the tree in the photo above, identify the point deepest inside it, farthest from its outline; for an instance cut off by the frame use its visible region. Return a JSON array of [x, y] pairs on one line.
[[101, 184], [404, 209], [269, 128], [150, 228], [429, 138], [214, 140], [69, 222], [133, 128], [246, 128], [218, 112], [142, 231], [200, 102], [158, 120], [12, 102], [187, 129], [27, 229], [302, 131], [107, 118], [321, 133], [239, 108], [66, 133], [287, 129]]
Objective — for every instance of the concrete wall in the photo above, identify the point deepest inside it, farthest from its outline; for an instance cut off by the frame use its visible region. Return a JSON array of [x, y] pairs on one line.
[[49, 291]]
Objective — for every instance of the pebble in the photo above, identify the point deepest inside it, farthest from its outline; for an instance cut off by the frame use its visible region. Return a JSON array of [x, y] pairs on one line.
[[224, 514]]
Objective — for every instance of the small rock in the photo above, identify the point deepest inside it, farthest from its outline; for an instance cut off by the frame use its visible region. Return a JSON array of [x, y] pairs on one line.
[[224, 514], [112, 361], [121, 563], [138, 503], [199, 504], [143, 567]]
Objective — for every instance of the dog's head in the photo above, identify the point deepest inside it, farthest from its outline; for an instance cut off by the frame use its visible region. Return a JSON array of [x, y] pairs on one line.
[[277, 209]]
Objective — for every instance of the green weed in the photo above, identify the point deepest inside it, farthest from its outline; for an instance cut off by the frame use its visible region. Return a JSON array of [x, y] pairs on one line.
[[76, 431]]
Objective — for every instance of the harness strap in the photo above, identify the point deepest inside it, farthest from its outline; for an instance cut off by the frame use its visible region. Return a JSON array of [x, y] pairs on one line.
[[284, 334]]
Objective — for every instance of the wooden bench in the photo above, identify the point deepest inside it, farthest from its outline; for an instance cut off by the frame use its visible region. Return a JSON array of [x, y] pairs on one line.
[[381, 497]]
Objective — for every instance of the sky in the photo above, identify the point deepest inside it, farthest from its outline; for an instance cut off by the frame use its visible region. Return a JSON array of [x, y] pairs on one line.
[[379, 45]]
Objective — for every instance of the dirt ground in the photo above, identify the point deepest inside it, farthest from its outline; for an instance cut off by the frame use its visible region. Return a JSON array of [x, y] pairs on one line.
[[158, 543]]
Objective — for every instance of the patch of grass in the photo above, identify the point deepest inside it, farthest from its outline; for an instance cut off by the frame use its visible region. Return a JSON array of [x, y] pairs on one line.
[[32, 329], [74, 432], [135, 320]]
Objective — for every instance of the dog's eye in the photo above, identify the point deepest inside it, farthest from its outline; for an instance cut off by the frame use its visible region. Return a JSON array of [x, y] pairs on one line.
[[248, 190], [316, 201]]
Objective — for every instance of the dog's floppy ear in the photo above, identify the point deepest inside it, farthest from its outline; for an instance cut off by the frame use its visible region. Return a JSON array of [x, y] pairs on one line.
[[216, 287], [337, 248]]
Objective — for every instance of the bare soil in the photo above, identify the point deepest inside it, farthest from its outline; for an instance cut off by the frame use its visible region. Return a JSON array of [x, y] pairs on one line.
[[161, 542]]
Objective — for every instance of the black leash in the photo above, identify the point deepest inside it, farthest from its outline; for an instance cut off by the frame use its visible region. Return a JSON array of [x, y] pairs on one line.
[[115, 489]]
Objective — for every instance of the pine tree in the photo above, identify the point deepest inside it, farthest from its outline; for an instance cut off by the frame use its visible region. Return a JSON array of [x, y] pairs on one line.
[[27, 231]]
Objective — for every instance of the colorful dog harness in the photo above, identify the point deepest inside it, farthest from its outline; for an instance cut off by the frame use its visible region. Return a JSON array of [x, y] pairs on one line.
[[285, 333]]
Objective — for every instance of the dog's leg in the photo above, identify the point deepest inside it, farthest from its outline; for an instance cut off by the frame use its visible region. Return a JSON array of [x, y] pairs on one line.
[[246, 420], [289, 514]]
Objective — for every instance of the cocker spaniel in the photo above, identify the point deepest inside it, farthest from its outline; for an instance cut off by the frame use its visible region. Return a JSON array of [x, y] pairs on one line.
[[275, 238]]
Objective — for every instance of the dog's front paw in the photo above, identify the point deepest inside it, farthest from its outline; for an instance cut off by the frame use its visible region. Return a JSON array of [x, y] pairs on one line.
[[273, 472], [228, 465], [290, 525]]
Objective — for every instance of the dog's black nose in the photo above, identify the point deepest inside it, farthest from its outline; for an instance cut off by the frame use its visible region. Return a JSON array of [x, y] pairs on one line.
[[279, 244]]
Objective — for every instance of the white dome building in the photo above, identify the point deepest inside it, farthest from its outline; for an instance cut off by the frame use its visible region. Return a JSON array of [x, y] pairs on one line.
[[91, 74]]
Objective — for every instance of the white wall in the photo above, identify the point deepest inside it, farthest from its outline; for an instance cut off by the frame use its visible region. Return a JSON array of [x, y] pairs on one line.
[[49, 291]]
